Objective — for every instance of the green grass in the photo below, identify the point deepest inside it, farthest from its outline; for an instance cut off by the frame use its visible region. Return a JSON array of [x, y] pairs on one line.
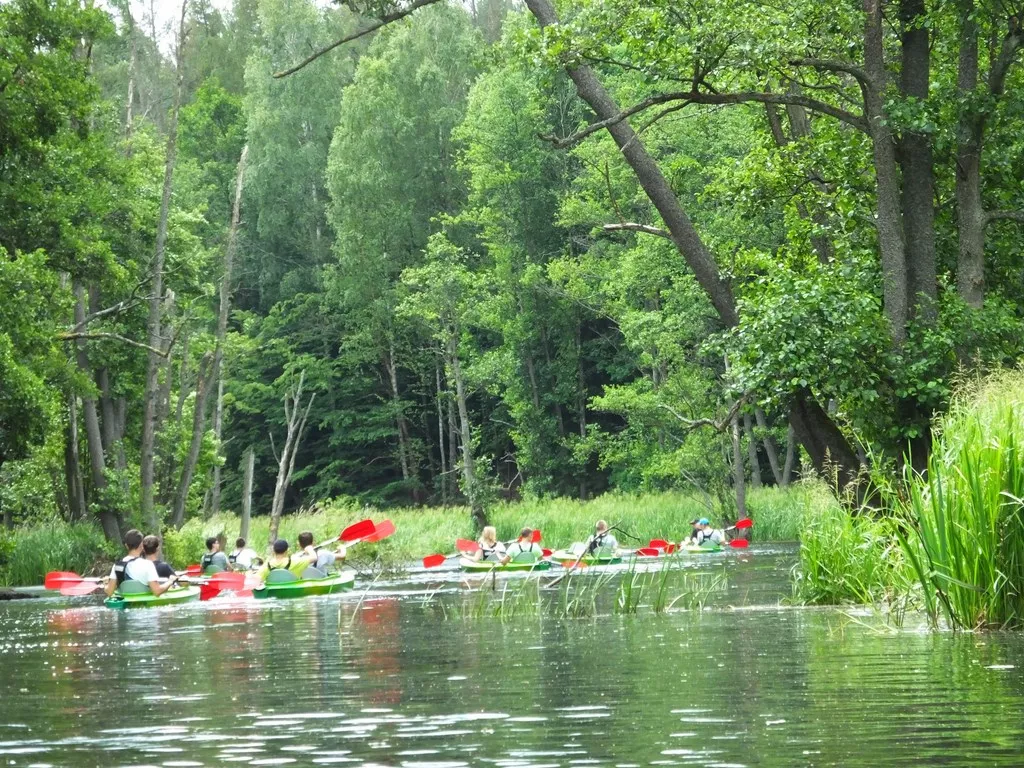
[[965, 517], [28, 553]]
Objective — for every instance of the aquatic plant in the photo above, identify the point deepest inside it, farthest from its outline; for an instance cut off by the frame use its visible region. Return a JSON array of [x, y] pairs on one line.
[[964, 533], [28, 553]]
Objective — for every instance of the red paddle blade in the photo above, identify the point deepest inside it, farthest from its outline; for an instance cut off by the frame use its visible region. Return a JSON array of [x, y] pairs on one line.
[[465, 545], [81, 588], [535, 538], [433, 560], [670, 549], [746, 522], [359, 530], [384, 530], [739, 543], [573, 564], [228, 580], [58, 579], [208, 591], [648, 552], [657, 544], [194, 570], [546, 552]]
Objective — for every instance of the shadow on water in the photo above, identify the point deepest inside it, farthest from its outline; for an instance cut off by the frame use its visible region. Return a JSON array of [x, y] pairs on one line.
[[411, 674]]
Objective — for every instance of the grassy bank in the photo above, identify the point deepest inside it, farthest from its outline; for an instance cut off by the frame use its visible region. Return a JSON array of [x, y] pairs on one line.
[[779, 514]]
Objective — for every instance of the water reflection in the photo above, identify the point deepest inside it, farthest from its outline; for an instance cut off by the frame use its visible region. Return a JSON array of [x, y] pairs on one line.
[[385, 680]]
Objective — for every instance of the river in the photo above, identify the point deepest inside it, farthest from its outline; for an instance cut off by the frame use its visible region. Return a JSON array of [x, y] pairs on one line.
[[406, 674]]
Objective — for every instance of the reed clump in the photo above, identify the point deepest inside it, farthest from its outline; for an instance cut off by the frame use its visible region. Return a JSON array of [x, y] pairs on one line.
[[963, 530]]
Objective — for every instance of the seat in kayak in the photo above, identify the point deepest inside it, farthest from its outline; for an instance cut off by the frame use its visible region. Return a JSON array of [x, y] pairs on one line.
[[313, 573], [132, 587], [526, 557], [281, 576], [212, 569]]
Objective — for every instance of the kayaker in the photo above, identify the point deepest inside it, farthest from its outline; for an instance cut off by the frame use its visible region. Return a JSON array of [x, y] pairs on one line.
[[603, 537], [214, 557], [523, 544], [151, 551], [490, 547], [323, 558], [135, 567], [243, 558], [281, 560], [703, 533]]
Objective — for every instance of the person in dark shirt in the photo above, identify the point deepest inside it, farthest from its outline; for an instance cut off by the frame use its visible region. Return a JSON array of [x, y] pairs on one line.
[[151, 551]]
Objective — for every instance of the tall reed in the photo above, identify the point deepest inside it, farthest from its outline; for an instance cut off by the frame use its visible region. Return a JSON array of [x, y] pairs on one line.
[[965, 516]]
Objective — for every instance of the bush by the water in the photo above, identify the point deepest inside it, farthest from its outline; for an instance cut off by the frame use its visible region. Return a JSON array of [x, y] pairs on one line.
[[27, 553], [966, 515]]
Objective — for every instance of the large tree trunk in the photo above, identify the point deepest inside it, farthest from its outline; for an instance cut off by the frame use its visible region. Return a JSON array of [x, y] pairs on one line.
[[827, 447], [396, 401], [203, 381], [888, 217], [94, 440], [769, 446], [755, 465], [440, 435], [787, 469], [72, 468], [250, 462], [148, 442], [222, 321], [970, 212], [737, 470], [466, 436], [917, 169]]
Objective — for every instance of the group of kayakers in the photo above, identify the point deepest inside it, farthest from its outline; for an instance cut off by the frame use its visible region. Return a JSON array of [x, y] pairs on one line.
[[142, 561], [492, 550]]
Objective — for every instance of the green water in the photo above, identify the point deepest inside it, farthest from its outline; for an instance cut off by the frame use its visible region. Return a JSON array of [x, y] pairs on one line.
[[390, 682]]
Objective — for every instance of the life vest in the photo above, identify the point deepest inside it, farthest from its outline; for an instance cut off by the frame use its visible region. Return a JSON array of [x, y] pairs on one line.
[[120, 567], [206, 560], [233, 557], [286, 567]]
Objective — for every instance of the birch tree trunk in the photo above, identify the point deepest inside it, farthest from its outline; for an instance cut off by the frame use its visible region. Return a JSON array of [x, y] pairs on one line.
[[440, 436], [737, 470], [755, 465], [72, 468], [466, 437], [769, 446], [787, 470], [148, 442]]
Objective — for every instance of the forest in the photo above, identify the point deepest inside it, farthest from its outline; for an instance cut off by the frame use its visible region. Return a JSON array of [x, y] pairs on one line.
[[414, 253]]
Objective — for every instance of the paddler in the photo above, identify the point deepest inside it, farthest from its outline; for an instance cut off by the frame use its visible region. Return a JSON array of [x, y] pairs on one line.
[[603, 537], [151, 551], [490, 548], [243, 558], [523, 544], [323, 558], [214, 560], [282, 560], [703, 533], [135, 567]]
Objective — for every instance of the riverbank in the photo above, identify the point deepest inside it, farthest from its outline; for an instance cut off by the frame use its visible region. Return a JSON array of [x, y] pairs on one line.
[[779, 514]]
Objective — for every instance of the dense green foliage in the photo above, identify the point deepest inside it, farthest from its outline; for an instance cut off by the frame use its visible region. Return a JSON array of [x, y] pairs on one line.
[[487, 304]]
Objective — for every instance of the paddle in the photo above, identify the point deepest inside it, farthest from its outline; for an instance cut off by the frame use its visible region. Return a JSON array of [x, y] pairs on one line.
[[59, 579], [382, 531], [591, 546], [739, 543], [464, 546], [746, 522], [353, 533], [81, 588]]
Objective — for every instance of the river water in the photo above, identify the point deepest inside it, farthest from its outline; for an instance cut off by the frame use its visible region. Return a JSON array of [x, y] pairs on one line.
[[409, 674]]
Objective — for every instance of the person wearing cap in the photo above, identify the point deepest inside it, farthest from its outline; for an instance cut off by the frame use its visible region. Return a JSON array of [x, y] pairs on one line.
[[490, 548], [282, 560], [523, 544], [703, 533]]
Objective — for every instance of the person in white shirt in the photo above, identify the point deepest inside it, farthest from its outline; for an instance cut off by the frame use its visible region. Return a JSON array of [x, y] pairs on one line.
[[135, 567], [603, 537], [243, 557]]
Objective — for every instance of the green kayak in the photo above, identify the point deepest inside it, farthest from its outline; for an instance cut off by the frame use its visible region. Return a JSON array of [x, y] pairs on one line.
[[486, 566], [702, 549], [129, 598], [601, 556], [279, 585]]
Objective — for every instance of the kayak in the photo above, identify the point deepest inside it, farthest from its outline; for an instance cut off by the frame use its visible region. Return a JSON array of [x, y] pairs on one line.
[[296, 587], [147, 599], [702, 549], [595, 558], [485, 566]]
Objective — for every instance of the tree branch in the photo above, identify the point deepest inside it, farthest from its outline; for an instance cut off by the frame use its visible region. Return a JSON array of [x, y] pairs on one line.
[[831, 65], [74, 335], [698, 97], [381, 22], [632, 227], [1004, 216], [718, 426]]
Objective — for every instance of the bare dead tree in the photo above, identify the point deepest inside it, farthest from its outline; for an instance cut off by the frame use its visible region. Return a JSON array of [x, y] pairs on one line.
[[295, 418]]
